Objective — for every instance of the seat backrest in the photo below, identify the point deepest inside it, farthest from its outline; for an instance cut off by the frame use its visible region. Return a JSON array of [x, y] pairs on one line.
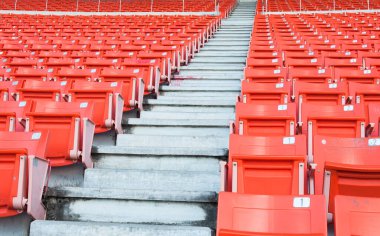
[[259, 215], [346, 166], [314, 75], [263, 75], [364, 93], [265, 93], [333, 120], [369, 76], [15, 147], [11, 113], [41, 90], [362, 213], [267, 165], [265, 120]]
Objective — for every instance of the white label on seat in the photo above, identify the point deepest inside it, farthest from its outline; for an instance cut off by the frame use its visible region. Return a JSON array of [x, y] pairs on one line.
[[8, 70], [36, 136], [164, 54], [282, 107], [373, 36], [302, 46], [332, 46], [50, 70], [114, 60], [143, 46], [301, 202], [276, 72], [4, 60], [93, 70], [270, 42], [353, 60], [321, 71], [374, 142], [77, 60], [83, 105], [348, 108], [274, 54], [355, 41], [40, 60], [279, 85], [113, 84], [327, 41], [274, 60], [288, 140], [366, 72], [14, 83], [152, 61], [271, 46], [314, 60], [311, 53], [347, 53], [333, 86], [97, 53], [22, 104], [174, 47], [364, 46], [319, 37], [136, 71], [113, 46], [130, 54], [298, 41], [63, 83]]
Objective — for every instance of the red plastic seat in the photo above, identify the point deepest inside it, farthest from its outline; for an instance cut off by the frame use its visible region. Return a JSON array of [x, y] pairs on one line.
[[11, 113], [265, 93], [23, 73], [40, 90], [150, 72], [311, 75], [265, 75], [364, 93], [107, 99], [304, 63], [356, 75], [265, 215], [349, 63], [132, 85], [267, 165], [362, 213], [24, 173], [346, 166], [265, 120], [275, 63], [70, 130], [76, 74]]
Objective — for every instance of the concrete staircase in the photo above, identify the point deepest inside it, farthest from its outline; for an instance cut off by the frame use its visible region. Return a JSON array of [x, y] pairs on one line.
[[162, 176]]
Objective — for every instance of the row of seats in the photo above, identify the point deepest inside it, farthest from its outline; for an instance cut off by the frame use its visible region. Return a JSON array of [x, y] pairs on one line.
[[303, 150], [309, 5], [63, 81], [116, 6]]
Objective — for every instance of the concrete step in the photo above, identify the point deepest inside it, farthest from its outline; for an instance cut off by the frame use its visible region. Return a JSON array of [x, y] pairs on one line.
[[68, 228], [182, 103], [225, 48], [194, 94], [200, 66], [151, 180], [231, 60], [166, 88], [196, 98], [130, 140], [177, 131], [109, 205], [227, 44], [209, 53], [160, 151], [206, 83], [151, 162]]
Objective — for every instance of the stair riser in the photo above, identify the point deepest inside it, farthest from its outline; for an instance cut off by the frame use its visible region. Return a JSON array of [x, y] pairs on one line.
[[188, 131], [129, 211]]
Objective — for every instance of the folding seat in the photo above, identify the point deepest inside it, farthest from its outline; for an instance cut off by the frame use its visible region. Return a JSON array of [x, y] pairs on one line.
[[24, 173], [304, 63], [43, 47], [70, 129], [265, 119], [107, 99], [84, 54], [149, 70], [264, 55], [311, 75], [263, 48], [362, 213], [346, 63], [263, 75], [364, 93], [265, 93], [40, 90], [12, 113], [372, 63], [26, 73], [17, 54], [275, 63], [320, 93], [133, 48], [254, 215], [357, 75], [7, 90], [76, 74], [331, 120], [132, 84], [95, 63], [345, 166], [173, 54], [184, 49], [24, 62], [52, 54], [273, 165], [118, 55], [58, 63], [163, 59]]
